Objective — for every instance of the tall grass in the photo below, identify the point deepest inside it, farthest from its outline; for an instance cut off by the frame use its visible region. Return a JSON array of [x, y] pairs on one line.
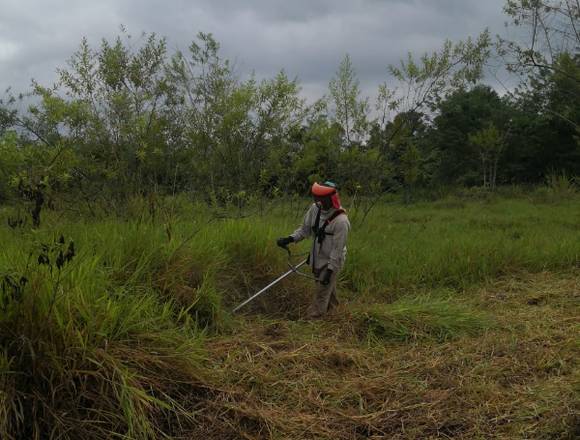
[[438, 245], [85, 356], [110, 344]]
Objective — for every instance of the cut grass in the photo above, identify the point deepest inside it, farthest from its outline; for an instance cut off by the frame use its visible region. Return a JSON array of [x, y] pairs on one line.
[[518, 379]]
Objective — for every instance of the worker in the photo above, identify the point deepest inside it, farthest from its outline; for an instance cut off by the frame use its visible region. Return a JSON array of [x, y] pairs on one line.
[[327, 223]]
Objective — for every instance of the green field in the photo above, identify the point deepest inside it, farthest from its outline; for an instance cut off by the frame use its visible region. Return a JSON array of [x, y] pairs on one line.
[[459, 320]]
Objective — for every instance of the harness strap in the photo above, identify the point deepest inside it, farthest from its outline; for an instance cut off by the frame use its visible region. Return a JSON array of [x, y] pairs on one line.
[[316, 229]]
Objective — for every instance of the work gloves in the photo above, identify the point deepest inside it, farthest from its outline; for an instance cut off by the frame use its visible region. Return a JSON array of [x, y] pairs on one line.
[[325, 281], [284, 241]]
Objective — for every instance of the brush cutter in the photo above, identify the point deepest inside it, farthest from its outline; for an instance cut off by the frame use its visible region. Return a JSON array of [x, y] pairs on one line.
[[293, 269]]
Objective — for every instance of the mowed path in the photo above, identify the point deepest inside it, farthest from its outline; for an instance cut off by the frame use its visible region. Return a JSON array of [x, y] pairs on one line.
[[285, 379]]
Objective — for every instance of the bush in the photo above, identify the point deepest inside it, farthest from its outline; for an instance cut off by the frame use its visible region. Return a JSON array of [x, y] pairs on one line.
[[558, 187]]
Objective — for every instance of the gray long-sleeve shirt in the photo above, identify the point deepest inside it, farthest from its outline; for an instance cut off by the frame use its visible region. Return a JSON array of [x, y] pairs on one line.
[[332, 252]]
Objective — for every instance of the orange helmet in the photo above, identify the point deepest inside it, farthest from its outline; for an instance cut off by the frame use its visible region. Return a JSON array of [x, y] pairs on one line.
[[327, 189], [322, 190]]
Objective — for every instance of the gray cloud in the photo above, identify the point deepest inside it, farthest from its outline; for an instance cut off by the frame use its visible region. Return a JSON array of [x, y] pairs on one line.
[[307, 38]]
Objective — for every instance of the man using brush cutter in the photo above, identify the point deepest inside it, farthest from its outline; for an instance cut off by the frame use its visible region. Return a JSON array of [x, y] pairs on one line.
[[327, 223]]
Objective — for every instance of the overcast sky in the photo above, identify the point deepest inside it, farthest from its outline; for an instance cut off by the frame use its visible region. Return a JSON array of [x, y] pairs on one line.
[[307, 38]]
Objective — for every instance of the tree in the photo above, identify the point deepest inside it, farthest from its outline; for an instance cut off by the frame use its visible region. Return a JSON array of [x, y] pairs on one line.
[[489, 143], [320, 156], [463, 113], [350, 110], [277, 118], [10, 159], [115, 114], [205, 98], [231, 128], [545, 123], [424, 83], [552, 27], [406, 153], [420, 86], [32, 174]]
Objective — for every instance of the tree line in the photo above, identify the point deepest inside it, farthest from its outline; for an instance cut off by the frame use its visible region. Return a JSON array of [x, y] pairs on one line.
[[130, 117]]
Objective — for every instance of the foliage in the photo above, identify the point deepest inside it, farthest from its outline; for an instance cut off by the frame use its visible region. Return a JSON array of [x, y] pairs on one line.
[[83, 357], [545, 120], [131, 118], [425, 82], [489, 143], [463, 114], [551, 29], [350, 111]]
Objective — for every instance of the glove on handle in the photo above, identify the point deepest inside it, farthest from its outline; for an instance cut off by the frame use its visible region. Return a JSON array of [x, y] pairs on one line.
[[284, 241]]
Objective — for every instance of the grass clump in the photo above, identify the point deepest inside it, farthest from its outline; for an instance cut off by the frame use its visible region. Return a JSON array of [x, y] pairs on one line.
[[82, 357], [418, 318]]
